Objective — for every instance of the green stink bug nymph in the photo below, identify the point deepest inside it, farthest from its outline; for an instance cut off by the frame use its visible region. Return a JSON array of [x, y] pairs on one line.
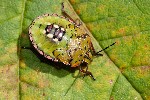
[[61, 40]]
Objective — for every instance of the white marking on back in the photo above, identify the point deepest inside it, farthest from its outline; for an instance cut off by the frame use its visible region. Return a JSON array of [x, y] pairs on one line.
[[56, 26], [44, 31], [48, 23], [62, 29], [60, 34], [56, 40], [50, 35], [47, 30]]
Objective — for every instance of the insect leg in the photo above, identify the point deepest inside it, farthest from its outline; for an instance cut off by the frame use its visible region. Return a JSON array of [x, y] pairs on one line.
[[77, 21], [86, 72]]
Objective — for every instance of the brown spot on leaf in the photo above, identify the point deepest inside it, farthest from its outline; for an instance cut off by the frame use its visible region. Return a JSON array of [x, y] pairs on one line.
[[78, 12], [72, 1]]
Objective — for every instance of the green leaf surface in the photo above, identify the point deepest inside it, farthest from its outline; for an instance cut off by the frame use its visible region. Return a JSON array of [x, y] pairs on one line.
[[123, 73]]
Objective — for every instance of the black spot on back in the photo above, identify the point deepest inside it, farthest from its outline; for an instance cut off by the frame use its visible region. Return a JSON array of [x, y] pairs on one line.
[[40, 25]]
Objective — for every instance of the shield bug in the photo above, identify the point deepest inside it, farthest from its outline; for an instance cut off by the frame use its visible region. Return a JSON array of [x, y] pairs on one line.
[[61, 39]]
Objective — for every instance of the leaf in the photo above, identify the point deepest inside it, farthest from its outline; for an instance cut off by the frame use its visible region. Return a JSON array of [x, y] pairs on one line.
[[122, 73], [127, 23], [10, 28]]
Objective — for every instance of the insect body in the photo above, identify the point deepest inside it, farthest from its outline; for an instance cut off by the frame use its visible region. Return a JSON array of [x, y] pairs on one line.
[[61, 40]]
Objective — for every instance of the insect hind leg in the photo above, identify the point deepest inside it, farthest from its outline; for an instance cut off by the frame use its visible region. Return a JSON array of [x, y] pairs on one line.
[[77, 21], [86, 72]]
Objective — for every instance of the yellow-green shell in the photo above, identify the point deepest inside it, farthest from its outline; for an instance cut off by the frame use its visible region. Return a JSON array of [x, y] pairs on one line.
[[73, 49]]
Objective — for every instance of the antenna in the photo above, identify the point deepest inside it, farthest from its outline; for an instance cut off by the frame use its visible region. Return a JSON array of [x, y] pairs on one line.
[[106, 48]]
